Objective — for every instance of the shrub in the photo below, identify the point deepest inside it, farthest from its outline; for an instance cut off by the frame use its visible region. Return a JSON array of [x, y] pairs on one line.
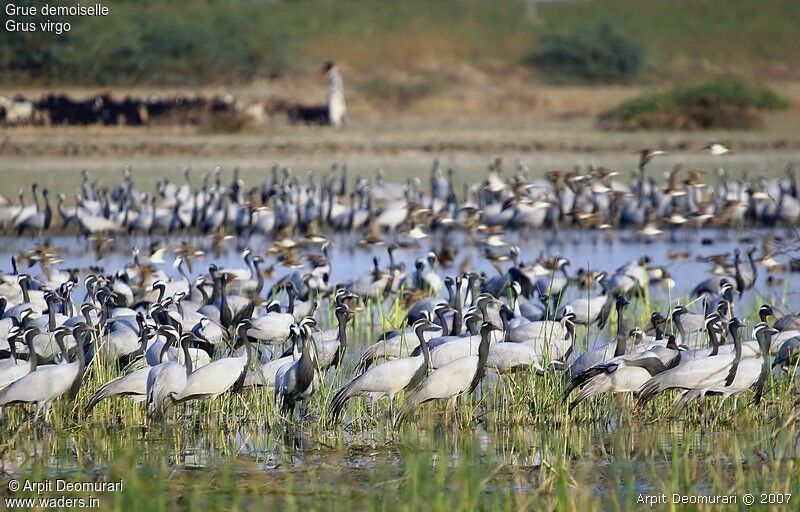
[[707, 105], [594, 54]]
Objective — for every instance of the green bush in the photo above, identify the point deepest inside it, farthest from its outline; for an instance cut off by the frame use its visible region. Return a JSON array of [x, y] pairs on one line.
[[706, 105], [593, 54]]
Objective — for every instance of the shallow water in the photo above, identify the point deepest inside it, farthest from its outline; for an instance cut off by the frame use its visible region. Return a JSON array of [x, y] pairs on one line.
[[596, 250]]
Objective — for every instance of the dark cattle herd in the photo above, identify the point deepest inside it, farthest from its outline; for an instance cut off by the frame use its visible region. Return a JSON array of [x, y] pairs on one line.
[[104, 109], [178, 109]]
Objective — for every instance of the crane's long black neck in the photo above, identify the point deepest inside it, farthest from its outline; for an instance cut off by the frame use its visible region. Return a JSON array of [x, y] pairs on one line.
[[185, 276], [342, 335], [48, 213], [470, 289], [143, 338], [449, 285], [81, 336], [51, 313], [483, 306], [738, 274], [659, 331], [671, 344], [162, 290], [457, 316], [753, 267], [712, 337], [170, 341], [737, 347], [215, 290], [570, 327], [179, 307], [472, 325], [422, 370], [23, 284], [306, 373], [426, 353], [443, 322], [32, 359], [225, 313], [762, 376], [504, 318], [206, 299], [622, 335], [483, 356], [66, 304], [676, 318], [259, 277], [605, 311], [187, 357]]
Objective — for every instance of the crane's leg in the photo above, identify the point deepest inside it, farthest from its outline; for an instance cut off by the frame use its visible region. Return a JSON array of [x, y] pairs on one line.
[[450, 408], [719, 407]]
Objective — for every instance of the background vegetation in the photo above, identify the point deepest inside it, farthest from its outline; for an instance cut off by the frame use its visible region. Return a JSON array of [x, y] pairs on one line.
[[196, 42], [595, 54], [706, 105]]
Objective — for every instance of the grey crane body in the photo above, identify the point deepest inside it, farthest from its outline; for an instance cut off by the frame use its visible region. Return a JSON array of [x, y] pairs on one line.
[[388, 378], [295, 382], [45, 384], [13, 369], [133, 384], [696, 374], [747, 373], [451, 380], [165, 381], [221, 375]]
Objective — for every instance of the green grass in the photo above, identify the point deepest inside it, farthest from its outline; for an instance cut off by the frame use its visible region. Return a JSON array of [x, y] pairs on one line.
[[706, 105], [235, 466], [201, 41]]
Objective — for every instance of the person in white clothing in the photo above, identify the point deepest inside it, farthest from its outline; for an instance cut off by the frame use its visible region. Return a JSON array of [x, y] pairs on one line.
[[337, 110]]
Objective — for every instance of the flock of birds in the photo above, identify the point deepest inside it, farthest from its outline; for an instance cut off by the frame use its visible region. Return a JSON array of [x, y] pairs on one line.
[[283, 207], [181, 336]]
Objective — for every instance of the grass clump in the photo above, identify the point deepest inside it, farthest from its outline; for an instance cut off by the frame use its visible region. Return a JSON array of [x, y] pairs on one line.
[[590, 54], [703, 106]]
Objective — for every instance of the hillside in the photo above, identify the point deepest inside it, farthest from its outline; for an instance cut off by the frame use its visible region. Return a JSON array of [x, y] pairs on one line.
[[202, 42]]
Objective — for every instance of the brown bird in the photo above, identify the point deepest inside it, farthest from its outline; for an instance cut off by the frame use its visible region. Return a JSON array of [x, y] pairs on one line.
[[768, 257], [678, 255], [647, 154], [673, 187], [695, 179]]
